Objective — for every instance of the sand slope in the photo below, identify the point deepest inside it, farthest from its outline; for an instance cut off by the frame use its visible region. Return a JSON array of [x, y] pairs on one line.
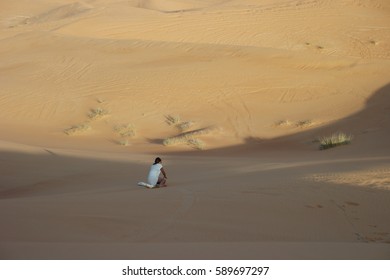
[[91, 89]]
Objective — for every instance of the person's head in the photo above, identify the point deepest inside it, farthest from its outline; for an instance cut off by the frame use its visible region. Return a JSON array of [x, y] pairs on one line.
[[157, 160]]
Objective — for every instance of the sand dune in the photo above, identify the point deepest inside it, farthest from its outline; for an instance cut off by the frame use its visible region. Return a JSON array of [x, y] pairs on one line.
[[233, 94]]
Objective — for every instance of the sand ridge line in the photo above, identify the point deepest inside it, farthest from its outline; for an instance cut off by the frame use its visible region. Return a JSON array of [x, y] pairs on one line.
[[59, 13]]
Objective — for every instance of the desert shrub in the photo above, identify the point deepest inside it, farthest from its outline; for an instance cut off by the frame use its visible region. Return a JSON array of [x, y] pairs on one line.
[[125, 130], [97, 113], [189, 138], [196, 143], [172, 120], [170, 141], [184, 126], [334, 140], [193, 142], [304, 123], [283, 123], [77, 129]]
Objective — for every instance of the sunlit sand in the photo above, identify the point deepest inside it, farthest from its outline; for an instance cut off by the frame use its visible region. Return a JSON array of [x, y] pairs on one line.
[[234, 96]]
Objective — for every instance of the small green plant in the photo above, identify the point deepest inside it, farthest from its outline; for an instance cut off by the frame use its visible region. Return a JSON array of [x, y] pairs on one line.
[[125, 130], [77, 129], [334, 140], [97, 113]]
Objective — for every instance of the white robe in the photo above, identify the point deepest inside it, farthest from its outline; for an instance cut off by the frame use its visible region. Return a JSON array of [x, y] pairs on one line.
[[154, 173]]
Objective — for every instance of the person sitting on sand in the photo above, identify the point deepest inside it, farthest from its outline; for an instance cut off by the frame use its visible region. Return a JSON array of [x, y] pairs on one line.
[[157, 176]]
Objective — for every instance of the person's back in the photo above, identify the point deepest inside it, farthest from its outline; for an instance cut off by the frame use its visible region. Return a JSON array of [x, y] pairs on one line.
[[154, 173], [154, 178]]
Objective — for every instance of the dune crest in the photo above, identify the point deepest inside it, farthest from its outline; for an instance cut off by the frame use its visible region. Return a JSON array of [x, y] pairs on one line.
[[67, 11]]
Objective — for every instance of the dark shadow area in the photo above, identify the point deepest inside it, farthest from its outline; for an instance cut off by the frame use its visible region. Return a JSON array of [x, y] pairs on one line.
[[155, 141], [66, 173], [54, 206]]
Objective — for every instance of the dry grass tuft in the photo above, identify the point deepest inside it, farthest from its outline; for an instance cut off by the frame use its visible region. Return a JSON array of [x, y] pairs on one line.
[[170, 141], [193, 142], [334, 140], [97, 113], [283, 123], [189, 138], [304, 123], [291, 124], [77, 129], [196, 143], [125, 130], [184, 126], [172, 120]]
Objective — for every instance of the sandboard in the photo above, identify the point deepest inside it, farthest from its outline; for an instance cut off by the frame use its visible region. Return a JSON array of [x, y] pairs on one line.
[[143, 184]]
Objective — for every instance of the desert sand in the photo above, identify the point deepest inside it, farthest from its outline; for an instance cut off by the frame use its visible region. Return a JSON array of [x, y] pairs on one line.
[[233, 95]]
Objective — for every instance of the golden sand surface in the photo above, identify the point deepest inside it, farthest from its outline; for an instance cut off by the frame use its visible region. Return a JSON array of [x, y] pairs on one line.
[[233, 95]]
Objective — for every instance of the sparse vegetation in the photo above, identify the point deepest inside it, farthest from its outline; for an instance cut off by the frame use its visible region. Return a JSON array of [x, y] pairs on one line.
[[334, 140], [77, 129], [184, 126], [288, 123], [196, 143], [184, 139], [125, 130], [304, 123], [283, 123], [172, 120], [170, 141], [189, 138], [97, 113]]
